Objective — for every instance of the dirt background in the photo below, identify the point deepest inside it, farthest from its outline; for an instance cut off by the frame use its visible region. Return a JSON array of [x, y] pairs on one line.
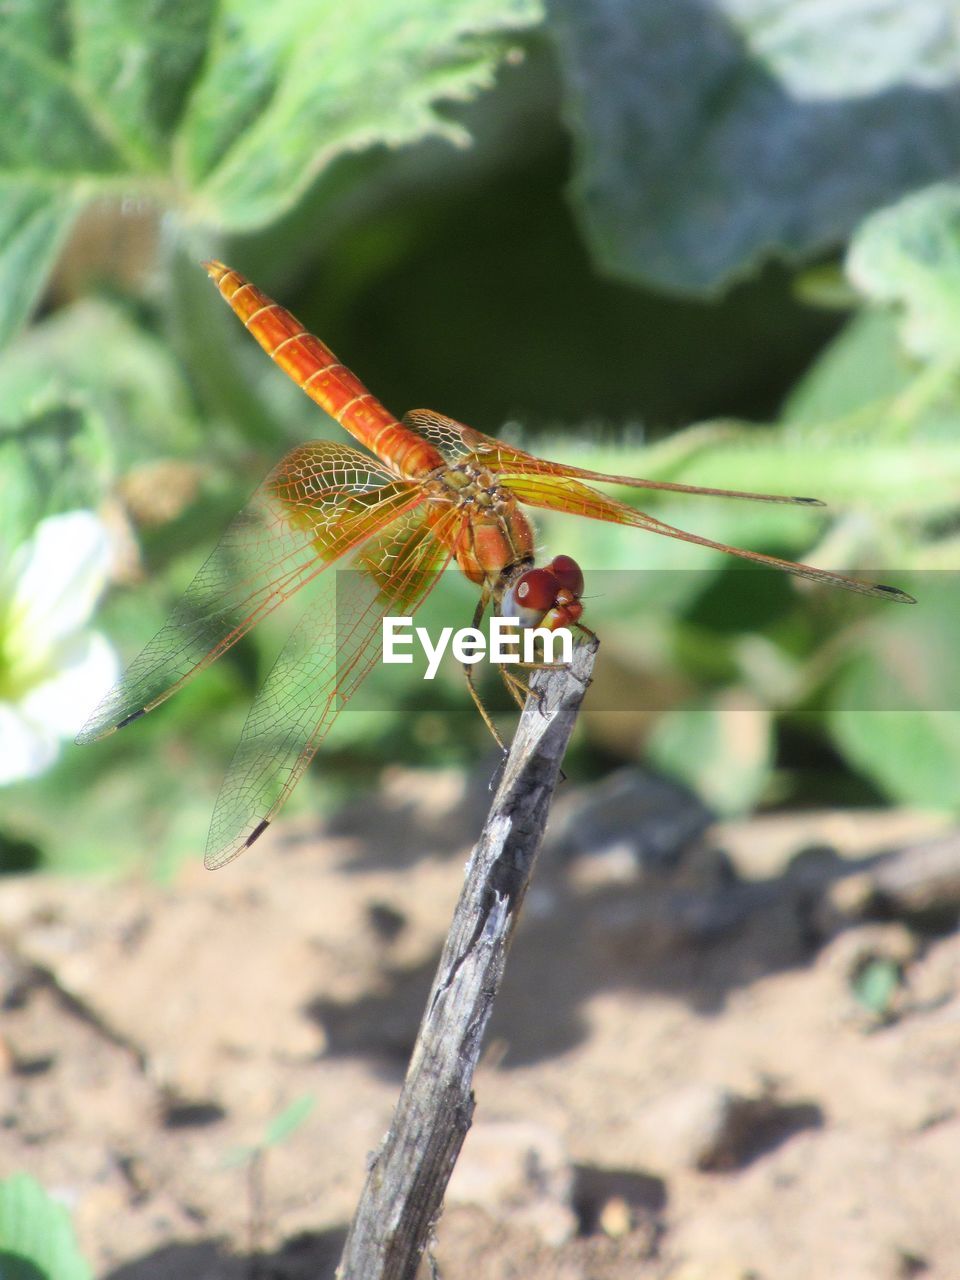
[[681, 1079]]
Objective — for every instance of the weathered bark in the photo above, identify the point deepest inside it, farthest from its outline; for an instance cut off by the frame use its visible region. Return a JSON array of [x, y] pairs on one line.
[[408, 1176]]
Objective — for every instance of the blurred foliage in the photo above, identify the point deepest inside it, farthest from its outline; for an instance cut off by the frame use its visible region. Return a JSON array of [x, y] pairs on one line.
[[910, 256], [875, 986], [226, 111], [713, 131], [321, 150], [278, 1130], [37, 1240]]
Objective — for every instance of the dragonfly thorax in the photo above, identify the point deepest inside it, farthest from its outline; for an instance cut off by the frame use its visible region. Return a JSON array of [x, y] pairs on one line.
[[473, 483], [493, 535]]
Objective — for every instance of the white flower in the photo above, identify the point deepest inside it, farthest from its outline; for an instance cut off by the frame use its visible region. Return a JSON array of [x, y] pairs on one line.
[[52, 668]]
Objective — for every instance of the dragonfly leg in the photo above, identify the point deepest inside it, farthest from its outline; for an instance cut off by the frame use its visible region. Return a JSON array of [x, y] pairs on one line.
[[468, 672], [508, 676], [591, 635], [521, 691], [518, 689], [594, 641], [592, 638], [482, 709]]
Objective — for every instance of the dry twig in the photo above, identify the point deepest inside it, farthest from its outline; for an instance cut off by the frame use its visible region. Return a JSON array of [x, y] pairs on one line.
[[408, 1176]]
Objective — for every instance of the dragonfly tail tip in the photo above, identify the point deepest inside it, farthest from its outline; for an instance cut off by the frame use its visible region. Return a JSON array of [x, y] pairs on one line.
[[216, 270], [810, 502]]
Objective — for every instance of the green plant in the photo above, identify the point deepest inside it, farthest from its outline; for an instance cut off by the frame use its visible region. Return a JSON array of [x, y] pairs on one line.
[[254, 1156], [36, 1236]]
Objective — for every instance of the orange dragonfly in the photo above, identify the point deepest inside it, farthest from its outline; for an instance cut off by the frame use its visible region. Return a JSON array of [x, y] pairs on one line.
[[433, 491]]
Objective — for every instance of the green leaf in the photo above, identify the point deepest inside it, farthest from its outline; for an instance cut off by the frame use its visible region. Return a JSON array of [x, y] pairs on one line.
[[227, 112], [33, 224], [50, 463], [57, 146], [910, 660], [284, 93], [712, 136], [93, 357], [851, 47], [36, 1236], [289, 1119], [70, 390], [913, 756], [909, 255], [279, 1128], [896, 704], [863, 366], [135, 63], [861, 470], [725, 752], [826, 287]]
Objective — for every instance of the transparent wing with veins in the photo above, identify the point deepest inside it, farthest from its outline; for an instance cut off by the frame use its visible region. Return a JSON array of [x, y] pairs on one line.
[[321, 500], [555, 486], [332, 649], [457, 442]]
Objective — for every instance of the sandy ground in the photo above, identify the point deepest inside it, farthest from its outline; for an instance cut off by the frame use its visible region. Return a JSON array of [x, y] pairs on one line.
[[683, 1078]]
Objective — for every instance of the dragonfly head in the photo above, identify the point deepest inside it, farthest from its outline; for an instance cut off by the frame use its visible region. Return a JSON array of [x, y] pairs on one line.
[[547, 597]]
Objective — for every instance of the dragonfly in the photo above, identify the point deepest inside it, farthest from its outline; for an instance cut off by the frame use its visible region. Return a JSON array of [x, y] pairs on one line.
[[426, 490]]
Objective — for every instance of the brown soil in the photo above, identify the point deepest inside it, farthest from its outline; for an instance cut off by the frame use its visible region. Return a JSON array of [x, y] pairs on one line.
[[680, 1080]]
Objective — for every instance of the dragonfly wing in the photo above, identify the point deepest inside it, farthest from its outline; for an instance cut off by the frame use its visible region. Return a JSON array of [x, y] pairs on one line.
[[332, 649], [554, 493], [317, 503], [504, 457], [453, 440]]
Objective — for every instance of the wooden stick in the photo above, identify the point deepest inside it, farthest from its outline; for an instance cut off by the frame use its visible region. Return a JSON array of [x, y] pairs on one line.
[[408, 1176]]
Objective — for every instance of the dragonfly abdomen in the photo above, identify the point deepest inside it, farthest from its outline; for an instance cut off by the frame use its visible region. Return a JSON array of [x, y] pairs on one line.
[[328, 382]]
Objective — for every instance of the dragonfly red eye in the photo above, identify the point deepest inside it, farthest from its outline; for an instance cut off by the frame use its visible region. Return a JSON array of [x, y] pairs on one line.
[[567, 573], [536, 589], [547, 597]]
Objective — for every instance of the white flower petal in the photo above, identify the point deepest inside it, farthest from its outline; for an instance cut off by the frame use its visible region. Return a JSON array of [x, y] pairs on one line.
[[26, 749], [62, 571], [83, 670]]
